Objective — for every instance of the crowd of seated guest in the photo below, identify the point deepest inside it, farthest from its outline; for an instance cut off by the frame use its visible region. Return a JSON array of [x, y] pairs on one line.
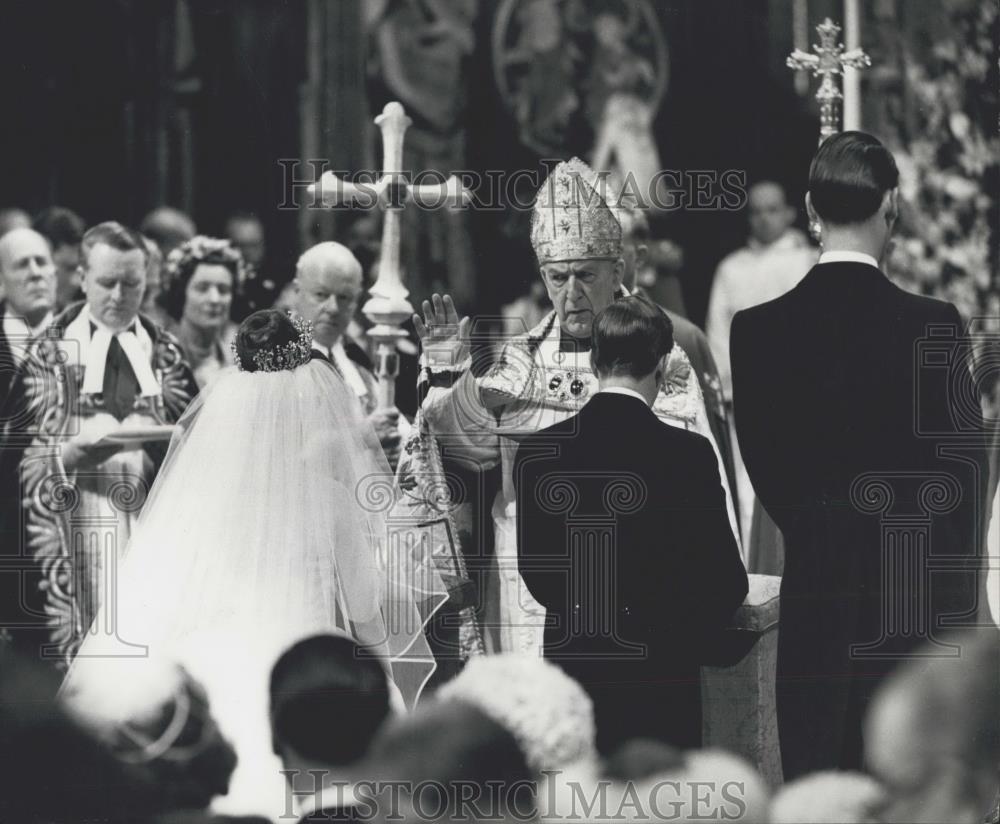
[[474, 750]]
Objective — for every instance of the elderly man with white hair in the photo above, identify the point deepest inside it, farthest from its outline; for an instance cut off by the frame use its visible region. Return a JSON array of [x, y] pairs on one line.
[[328, 284], [28, 280]]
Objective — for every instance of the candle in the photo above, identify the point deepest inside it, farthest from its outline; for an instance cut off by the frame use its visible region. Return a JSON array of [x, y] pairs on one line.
[[852, 77]]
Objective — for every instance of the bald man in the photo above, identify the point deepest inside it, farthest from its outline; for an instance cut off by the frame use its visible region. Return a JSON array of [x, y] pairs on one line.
[[28, 275], [328, 284]]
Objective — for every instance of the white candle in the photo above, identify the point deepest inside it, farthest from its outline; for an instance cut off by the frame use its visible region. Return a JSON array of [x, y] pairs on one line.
[[852, 77]]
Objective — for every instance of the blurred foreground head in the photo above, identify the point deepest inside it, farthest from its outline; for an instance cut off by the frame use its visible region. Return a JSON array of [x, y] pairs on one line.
[[51, 768], [328, 699], [548, 713], [932, 734], [647, 781], [157, 721], [455, 763]]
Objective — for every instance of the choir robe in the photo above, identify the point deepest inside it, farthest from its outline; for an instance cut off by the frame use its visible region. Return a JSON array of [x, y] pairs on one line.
[[78, 523], [478, 422]]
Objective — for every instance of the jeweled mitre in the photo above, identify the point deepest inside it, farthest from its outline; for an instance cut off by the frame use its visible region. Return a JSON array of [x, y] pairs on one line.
[[571, 219]]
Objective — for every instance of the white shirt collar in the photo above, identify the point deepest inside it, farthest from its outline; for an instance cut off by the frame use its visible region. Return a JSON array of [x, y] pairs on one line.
[[17, 325], [19, 334], [847, 257], [132, 327], [621, 390]]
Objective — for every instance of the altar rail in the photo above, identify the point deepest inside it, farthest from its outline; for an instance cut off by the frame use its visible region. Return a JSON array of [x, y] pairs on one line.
[[738, 696]]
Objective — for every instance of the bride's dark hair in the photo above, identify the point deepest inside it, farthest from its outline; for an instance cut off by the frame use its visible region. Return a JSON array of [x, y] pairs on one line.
[[265, 329]]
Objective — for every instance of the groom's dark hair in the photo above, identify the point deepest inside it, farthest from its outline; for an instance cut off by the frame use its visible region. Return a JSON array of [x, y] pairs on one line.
[[849, 177], [328, 699], [629, 338]]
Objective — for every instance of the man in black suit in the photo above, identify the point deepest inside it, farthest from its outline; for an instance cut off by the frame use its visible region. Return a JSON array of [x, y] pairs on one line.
[[623, 536], [842, 436], [328, 700]]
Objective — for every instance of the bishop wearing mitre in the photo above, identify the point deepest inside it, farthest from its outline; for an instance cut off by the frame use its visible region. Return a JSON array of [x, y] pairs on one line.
[[95, 400], [541, 377]]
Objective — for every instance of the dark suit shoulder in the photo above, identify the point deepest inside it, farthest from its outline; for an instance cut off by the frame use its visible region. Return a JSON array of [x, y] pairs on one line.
[[687, 448], [764, 314], [557, 430], [932, 309], [684, 438]]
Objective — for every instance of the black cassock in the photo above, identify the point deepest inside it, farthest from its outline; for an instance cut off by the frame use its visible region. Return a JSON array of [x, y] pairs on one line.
[[624, 538], [827, 397]]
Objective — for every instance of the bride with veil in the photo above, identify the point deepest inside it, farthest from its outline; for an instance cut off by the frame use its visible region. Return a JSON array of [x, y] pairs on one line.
[[267, 523]]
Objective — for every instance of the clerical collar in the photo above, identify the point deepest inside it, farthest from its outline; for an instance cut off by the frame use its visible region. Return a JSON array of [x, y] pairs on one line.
[[93, 341], [95, 325], [847, 257]]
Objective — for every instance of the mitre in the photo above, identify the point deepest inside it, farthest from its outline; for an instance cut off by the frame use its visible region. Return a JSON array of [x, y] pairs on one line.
[[571, 219]]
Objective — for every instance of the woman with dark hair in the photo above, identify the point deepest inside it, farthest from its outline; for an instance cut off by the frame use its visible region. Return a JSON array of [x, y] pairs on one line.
[[266, 524], [200, 278], [163, 731]]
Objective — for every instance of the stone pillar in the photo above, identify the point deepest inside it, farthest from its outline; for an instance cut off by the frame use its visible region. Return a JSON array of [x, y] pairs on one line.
[[738, 708]]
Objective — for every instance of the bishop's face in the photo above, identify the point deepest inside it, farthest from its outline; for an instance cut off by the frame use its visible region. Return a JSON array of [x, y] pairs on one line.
[[579, 289], [114, 282]]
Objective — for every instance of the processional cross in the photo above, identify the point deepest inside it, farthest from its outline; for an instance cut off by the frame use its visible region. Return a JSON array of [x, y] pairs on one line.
[[829, 60], [388, 307]]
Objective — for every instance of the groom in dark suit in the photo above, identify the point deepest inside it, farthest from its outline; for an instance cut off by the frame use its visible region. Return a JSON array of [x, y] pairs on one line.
[[624, 538], [848, 393]]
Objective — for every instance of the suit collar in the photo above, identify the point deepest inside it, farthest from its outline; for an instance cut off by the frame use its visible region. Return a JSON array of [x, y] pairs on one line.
[[621, 390], [851, 274], [618, 403]]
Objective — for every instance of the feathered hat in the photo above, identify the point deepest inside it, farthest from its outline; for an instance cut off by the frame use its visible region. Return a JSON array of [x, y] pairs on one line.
[[571, 220]]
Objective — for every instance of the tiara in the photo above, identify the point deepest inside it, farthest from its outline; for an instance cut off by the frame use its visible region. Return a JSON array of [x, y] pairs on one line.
[[286, 356], [203, 249]]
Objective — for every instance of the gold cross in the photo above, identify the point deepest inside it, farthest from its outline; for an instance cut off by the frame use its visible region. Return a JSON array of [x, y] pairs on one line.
[[829, 60]]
